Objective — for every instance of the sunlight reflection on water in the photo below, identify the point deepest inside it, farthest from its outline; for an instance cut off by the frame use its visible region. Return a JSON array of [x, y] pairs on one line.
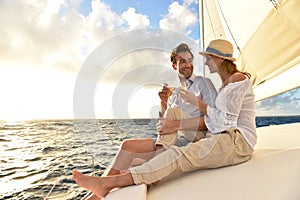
[[39, 155]]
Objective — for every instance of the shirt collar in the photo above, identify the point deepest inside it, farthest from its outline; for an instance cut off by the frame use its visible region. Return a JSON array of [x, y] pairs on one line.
[[193, 77]]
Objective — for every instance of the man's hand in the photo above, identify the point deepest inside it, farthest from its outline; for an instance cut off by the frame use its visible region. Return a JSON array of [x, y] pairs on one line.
[[164, 94], [167, 126]]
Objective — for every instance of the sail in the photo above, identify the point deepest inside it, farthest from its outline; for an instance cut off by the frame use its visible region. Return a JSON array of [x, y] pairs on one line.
[[266, 36]]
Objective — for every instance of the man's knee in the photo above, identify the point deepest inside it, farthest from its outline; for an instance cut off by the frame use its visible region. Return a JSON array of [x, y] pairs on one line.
[[128, 144], [173, 113], [139, 145]]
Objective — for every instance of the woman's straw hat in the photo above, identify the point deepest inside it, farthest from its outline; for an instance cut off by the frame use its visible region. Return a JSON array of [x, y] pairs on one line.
[[220, 48]]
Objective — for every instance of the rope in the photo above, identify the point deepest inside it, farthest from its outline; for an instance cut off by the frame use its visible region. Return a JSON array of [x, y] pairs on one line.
[[52, 189], [237, 46], [275, 3]]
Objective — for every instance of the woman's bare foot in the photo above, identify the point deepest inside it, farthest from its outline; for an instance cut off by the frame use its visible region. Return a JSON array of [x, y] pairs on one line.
[[93, 183]]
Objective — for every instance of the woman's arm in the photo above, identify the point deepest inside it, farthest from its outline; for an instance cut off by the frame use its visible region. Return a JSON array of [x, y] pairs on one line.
[[193, 99], [167, 126], [225, 114]]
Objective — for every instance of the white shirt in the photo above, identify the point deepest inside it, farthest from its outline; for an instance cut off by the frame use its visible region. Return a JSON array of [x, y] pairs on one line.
[[202, 88], [234, 108]]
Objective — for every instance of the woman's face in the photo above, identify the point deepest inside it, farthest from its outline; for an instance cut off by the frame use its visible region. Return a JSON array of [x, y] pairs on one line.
[[213, 63]]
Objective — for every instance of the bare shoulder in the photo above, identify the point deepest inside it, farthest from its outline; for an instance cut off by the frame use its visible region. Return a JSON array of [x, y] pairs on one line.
[[238, 76]]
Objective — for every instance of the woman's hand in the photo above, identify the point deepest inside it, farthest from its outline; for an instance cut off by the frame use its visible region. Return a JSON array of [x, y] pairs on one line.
[[189, 97], [167, 126], [194, 100]]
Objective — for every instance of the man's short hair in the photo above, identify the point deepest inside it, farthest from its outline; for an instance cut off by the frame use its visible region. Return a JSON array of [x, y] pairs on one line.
[[180, 48]]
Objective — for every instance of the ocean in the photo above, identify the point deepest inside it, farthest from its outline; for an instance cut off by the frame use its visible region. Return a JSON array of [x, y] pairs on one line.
[[37, 157]]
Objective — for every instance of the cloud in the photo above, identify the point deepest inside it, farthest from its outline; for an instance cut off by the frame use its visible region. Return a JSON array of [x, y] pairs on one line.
[[38, 36], [102, 16], [179, 18], [189, 2], [287, 103], [54, 34], [135, 20]]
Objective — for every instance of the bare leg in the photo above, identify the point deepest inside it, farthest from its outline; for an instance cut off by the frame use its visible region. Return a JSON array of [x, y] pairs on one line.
[[144, 149], [132, 153], [101, 186]]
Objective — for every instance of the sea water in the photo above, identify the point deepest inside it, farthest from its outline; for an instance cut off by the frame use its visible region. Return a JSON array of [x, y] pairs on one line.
[[37, 157]]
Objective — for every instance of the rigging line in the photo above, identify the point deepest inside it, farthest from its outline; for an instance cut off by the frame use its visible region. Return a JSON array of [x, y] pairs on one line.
[[201, 30], [201, 20], [275, 3], [237, 46], [210, 20], [58, 180]]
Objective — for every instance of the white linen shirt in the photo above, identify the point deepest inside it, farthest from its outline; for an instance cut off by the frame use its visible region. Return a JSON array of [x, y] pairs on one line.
[[234, 108]]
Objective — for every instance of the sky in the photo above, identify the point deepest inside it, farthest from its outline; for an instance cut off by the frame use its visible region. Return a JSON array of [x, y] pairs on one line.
[[66, 59]]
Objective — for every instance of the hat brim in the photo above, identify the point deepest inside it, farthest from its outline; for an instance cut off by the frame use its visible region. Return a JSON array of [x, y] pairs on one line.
[[212, 54]]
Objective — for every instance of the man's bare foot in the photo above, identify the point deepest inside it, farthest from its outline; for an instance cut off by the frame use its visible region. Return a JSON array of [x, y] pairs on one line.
[[93, 183]]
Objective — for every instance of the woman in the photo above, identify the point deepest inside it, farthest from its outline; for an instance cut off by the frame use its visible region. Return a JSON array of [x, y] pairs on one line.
[[230, 140]]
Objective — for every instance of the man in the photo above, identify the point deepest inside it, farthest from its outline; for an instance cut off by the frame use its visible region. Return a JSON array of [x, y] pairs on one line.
[[180, 116]]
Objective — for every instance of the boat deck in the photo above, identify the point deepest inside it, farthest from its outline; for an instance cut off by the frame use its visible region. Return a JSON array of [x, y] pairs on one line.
[[272, 173]]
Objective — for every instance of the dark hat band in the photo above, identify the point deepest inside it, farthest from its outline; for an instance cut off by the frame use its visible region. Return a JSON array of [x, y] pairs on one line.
[[217, 52]]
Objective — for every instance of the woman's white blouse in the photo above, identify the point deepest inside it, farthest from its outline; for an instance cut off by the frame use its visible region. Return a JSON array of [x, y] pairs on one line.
[[234, 108]]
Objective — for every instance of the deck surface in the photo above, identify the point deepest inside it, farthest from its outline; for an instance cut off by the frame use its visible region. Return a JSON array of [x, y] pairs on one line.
[[272, 173]]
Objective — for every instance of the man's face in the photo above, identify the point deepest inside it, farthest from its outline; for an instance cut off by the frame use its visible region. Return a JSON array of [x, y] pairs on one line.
[[184, 64]]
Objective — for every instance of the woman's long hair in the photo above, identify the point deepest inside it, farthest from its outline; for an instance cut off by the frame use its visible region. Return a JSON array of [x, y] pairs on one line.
[[229, 67]]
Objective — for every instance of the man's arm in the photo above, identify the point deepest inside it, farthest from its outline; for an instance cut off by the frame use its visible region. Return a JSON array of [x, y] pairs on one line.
[[163, 108], [164, 94]]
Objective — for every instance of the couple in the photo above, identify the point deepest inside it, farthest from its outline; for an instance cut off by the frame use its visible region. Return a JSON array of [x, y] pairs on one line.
[[228, 117]]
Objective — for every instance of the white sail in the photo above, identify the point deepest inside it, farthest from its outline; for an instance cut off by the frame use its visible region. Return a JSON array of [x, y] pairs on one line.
[[267, 34]]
